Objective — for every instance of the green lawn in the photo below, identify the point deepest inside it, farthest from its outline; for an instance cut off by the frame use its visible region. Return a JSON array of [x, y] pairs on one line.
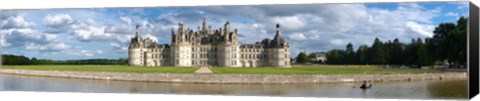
[[319, 69], [107, 68], [338, 66], [296, 69]]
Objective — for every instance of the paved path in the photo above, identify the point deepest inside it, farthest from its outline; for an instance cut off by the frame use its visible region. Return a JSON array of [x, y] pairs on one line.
[[203, 70]]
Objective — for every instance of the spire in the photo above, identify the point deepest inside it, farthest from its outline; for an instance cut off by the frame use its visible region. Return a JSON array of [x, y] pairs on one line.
[[137, 34], [278, 27], [138, 28], [204, 25], [278, 30], [180, 25], [277, 40], [173, 36], [227, 31]]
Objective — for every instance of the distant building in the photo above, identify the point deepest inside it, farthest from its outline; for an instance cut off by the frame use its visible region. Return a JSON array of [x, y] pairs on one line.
[[319, 57], [208, 47]]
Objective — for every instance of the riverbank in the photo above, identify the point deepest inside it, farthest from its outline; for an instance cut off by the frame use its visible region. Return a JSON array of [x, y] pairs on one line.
[[239, 78]]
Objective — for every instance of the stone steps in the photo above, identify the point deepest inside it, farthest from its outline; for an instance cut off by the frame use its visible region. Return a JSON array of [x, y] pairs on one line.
[[203, 70]]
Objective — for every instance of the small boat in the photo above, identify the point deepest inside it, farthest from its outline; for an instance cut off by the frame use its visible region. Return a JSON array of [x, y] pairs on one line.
[[366, 86]]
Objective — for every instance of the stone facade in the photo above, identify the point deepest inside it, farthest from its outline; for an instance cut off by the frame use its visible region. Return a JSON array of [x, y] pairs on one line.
[[208, 47], [319, 57]]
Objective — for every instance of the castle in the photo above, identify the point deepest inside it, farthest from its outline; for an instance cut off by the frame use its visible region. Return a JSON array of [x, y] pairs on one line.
[[207, 47]]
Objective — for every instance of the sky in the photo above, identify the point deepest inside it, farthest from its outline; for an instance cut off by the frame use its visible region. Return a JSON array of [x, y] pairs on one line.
[[64, 34]]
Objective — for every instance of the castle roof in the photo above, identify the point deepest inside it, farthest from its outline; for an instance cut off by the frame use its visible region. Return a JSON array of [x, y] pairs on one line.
[[277, 40]]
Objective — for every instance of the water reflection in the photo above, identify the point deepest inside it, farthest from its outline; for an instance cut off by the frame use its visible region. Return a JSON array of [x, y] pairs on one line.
[[444, 89]]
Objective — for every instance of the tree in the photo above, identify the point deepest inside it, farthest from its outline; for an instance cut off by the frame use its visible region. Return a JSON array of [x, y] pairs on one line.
[[34, 61], [449, 42], [440, 40], [396, 52], [335, 56], [422, 54], [22, 60], [377, 53], [362, 54], [311, 55], [350, 54], [459, 37], [302, 58]]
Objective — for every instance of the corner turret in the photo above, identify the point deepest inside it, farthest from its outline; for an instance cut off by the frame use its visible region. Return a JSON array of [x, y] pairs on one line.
[[277, 40]]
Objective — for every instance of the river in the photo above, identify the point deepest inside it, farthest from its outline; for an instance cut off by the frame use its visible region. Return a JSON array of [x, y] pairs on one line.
[[433, 89]]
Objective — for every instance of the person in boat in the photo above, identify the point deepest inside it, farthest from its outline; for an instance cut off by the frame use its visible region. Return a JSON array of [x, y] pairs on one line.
[[365, 85]]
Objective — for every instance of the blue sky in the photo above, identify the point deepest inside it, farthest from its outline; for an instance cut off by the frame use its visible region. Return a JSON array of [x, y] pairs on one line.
[[62, 34]]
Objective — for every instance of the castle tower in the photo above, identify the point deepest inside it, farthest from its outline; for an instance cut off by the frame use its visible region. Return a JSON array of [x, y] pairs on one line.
[[204, 26], [226, 32], [135, 50], [235, 36], [181, 50], [229, 49], [174, 37], [281, 52]]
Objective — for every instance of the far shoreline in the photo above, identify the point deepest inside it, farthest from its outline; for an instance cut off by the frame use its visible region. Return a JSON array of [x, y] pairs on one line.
[[238, 78]]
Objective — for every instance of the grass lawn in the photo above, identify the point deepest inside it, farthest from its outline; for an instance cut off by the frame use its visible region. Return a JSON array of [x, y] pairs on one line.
[[107, 68], [296, 69], [320, 69]]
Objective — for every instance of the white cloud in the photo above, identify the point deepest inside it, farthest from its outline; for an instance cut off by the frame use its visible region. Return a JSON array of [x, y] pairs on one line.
[[290, 22], [33, 46], [152, 37], [452, 14], [337, 42], [118, 48], [17, 21], [22, 34], [425, 30], [86, 53], [297, 37], [48, 48], [99, 52], [57, 20], [4, 43], [83, 53], [126, 20], [88, 30], [120, 29]]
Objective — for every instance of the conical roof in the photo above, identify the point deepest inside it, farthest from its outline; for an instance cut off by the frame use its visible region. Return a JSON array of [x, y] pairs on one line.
[[277, 40]]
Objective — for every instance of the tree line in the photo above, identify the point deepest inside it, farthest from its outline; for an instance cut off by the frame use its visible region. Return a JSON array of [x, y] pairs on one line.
[[447, 44], [9, 59]]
